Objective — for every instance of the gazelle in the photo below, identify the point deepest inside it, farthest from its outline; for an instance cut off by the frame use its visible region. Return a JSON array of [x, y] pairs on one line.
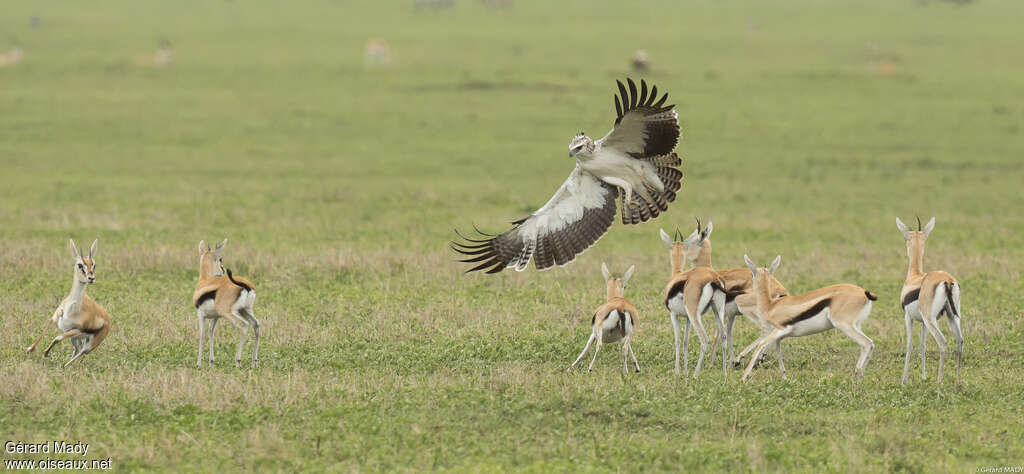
[[217, 296], [613, 321], [926, 297], [739, 292], [79, 318], [162, 57], [840, 306], [691, 293]]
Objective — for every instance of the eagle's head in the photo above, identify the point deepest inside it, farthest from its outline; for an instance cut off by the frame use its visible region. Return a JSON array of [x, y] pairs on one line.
[[581, 144]]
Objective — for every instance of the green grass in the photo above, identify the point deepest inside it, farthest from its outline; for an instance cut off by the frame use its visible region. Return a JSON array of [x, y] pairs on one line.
[[807, 129]]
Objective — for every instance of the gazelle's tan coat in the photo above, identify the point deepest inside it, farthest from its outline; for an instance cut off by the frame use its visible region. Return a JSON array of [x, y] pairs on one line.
[[79, 318], [926, 297], [228, 297], [614, 321], [691, 293], [841, 306]]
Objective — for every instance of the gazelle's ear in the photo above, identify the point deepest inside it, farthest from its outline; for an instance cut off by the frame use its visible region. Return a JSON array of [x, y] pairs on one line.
[[604, 271], [929, 227], [203, 247], [903, 228], [775, 264], [628, 275], [221, 245], [92, 248], [665, 238], [73, 249], [692, 237], [707, 232], [750, 264]]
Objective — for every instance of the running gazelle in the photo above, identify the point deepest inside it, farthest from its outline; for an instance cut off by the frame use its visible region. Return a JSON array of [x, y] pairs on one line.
[[739, 292], [613, 321], [926, 297], [79, 318], [217, 296], [691, 293], [841, 306]]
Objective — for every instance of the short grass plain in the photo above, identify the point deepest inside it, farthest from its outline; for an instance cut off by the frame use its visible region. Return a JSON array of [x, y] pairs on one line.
[[807, 129]]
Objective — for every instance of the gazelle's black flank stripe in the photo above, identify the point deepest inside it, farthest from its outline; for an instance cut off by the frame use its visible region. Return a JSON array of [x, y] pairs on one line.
[[911, 297], [677, 289], [810, 312], [209, 295]]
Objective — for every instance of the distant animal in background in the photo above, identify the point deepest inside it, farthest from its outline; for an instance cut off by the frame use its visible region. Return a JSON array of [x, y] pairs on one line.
[[78, 317], [377, 53], [162, 57], [692, 293], [840, 306], [926, 297], [634, 162], [614, 321], [12, 57], [217, 296], [641, 61]]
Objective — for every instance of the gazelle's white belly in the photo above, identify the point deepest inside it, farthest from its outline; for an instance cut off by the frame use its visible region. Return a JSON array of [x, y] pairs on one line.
[[913, 310], [813, 325], [66, 322]]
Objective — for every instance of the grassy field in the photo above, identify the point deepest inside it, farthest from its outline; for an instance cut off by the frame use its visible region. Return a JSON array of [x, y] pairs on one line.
[[807, 129]]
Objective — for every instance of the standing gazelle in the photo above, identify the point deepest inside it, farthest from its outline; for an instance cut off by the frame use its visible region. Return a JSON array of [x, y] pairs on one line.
[[217, 296], [691, 293], [79, 318], [613, 321], [841, 306], [926, 297]]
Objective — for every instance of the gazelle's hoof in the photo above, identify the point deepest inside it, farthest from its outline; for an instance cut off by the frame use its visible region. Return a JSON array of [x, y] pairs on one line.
[[30, 349], [637, 371]]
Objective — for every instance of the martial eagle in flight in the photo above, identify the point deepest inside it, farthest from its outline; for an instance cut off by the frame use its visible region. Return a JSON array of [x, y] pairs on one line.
[[634, 162]]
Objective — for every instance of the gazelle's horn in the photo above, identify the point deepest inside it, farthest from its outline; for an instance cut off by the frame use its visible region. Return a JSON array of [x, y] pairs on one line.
[[679, 235], [918, 223], [698, 224]]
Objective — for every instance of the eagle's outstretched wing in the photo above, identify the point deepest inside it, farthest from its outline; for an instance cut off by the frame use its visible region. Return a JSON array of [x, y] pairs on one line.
[[645, 127], [574, 219]]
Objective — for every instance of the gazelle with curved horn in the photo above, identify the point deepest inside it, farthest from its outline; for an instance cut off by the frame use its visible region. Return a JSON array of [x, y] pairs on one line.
[[613, 321], [840, 306], [739, 296], [926, 297], [692, 293], [79, 318], [230, 297]]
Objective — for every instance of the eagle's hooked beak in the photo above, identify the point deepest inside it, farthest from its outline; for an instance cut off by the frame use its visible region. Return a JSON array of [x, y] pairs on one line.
[[572, 153]]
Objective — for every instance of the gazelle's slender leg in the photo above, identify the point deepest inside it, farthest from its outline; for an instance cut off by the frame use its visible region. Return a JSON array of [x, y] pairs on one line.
[[83, 350], [633, 355], [778, 350], [209, 336], [933, 328], [765, 331], [675, 331], [585, 349], [686, 346], [718, 310], [924, 335], [865, 344], [910, 345], [45, 329], [704, 343], [243, 336], [256, 334], [625, 355], [71, 333], [199, 358], [770, 338], [728, 333], [597, 349], [954, 324]]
